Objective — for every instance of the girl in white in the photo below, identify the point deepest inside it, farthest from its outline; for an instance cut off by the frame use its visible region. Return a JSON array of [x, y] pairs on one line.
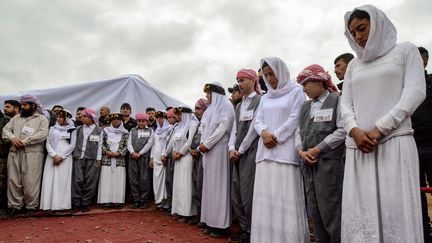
[[112, 152], [383, 86], [56, 180], [278, 211], [161, 132]]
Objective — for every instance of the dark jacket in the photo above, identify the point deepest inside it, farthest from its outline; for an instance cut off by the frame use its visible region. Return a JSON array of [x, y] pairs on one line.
[[422, 118]]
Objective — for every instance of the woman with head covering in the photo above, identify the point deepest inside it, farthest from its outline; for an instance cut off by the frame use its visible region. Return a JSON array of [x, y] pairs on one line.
[[155, 158], [216, 125], [383, 87], [278, 203], [180, 143], [113, 149], [320, 144], [57, 175]]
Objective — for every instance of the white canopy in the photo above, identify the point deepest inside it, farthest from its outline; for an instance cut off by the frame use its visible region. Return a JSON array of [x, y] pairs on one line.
[[131, 89]]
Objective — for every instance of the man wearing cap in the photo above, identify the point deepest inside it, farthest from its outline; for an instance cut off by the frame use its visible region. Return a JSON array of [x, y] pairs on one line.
[[85, 174], [128, 121], [27, 133], [11, 108], [168, 161], [319, 142], [140, 142], [243, 145], [197, 170], [235, 94]]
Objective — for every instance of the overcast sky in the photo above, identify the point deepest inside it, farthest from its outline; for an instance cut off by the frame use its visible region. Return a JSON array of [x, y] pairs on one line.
[[179, 45]]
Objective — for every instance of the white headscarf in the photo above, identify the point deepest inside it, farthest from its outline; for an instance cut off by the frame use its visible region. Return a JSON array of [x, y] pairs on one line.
[[58, 129], [186, 121], [285, 84], [165, 127], [219, 111], [382, 35], [113, 131]]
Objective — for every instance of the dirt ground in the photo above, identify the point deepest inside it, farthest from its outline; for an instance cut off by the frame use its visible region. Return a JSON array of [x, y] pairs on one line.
[[98, 225]]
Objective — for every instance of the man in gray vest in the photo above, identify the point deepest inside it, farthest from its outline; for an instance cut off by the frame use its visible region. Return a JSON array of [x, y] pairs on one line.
[[243, 145], [86, 170], [168, 161], [140, 142], [320, 144]]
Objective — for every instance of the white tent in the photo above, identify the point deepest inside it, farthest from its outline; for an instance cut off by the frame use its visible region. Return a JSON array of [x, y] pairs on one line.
[[131, 89]]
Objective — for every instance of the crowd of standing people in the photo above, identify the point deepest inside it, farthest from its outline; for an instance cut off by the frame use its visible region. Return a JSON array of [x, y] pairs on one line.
[[346, 159]]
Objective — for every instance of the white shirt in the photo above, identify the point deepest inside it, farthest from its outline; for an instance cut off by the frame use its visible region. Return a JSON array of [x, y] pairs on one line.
[[251, 134]]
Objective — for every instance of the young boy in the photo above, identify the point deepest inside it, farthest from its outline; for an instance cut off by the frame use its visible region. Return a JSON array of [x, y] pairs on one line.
[[320, 144], [140, 142], [85, 174]]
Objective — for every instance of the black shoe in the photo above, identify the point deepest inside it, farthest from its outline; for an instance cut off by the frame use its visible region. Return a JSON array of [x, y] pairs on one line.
[[13, 212], [143, 205], [201, 225], [118, 206], [107, 206], [239, 236], [74, 209], [30, 211], [136, 205], [217, 233], [85, 209]]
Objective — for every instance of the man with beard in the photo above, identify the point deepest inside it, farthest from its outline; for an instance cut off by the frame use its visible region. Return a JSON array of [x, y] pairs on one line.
[[27, 133], [152, 121], [11, 108]]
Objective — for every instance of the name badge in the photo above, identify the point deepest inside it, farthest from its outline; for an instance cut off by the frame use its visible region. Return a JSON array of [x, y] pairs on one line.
[[177, 136], [324, 115], [143, 134], [65, 135], [27, 130], [247, 115], [94, 138]]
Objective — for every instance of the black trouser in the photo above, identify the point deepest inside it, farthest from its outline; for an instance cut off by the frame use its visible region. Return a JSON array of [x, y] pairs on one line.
[[169, 178], [197, 182], [139, 178], [85, 178]]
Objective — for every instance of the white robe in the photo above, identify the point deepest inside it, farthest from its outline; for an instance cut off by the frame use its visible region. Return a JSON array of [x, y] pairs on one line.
[[216, 124], [278, 210], [112, 182], [56, 180], [182, 182], [382, 88], [159, 188]]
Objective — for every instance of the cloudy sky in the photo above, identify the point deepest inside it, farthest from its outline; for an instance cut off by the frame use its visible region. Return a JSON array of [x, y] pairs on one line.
[[178, 45]]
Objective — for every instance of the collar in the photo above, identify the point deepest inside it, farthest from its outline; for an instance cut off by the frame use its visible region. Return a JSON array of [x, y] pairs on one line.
[[323, 97], [253, 94], [91, 126]]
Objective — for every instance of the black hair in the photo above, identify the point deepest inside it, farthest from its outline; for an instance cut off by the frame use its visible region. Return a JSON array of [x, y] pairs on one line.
[[125, 105], [358, 14], [150, 109], [346, 57], [423, 51], [80, 108], [168, 108], [14, 103], [265, 64], [57, 106]]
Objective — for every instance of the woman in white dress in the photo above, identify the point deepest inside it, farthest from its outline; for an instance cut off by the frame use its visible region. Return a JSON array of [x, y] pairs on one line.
[[383, 86], [111, 154], [56, 180], [278, 210], [180, 143], [161, 132]]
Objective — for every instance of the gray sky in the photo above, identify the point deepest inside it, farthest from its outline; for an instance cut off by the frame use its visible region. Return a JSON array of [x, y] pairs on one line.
[[177, 46]]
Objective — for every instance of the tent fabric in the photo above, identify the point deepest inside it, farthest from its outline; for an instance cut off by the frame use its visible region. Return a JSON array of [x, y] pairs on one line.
[[131, 89]]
